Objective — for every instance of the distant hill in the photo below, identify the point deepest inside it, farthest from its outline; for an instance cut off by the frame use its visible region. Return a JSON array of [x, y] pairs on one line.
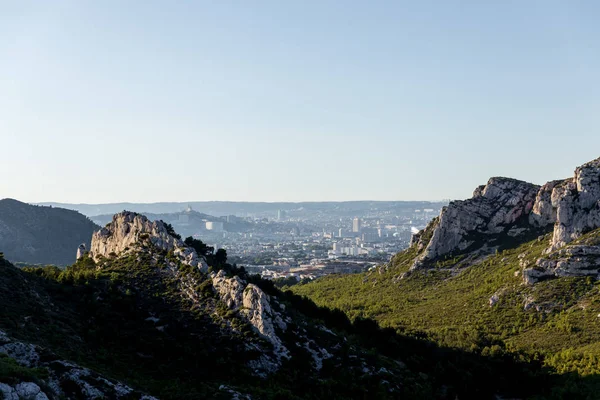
[[42, 235], [221, 208]]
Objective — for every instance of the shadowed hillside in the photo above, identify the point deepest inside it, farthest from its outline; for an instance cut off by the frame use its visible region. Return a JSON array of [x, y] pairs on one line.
[[42, 235]]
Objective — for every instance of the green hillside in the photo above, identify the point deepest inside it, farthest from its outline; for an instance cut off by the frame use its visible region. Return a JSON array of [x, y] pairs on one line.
[[556, 321], [99, 318]]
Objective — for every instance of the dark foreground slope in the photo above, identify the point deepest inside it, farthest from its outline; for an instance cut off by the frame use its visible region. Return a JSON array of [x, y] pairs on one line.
[[42, 235], [155, 316], [513, 270]]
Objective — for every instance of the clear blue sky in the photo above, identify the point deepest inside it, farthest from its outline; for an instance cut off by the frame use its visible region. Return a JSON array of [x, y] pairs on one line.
[[144, 101]]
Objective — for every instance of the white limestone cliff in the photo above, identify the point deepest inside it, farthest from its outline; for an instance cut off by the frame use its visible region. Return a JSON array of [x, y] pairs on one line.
[[128, 230], [494, 209], [254, 306], [506, 209]]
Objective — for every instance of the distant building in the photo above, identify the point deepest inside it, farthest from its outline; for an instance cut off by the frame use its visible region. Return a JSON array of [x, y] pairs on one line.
[[215, 226], [356, 225], [280, 215]]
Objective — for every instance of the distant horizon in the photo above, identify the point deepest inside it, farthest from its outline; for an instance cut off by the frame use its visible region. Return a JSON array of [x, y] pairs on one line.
[[242, 202]]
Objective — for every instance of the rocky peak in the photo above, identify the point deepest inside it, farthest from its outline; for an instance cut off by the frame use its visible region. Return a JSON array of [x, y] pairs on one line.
[[472, 225], [577, 204], [573, 205], [511, 211], [128, 229]]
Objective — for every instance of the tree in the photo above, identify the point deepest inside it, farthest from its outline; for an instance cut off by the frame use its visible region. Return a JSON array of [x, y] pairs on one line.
[[171, 230], [221, 257], [200, 247]]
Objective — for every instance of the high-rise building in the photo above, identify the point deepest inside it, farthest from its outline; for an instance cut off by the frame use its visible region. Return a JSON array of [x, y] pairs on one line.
[[215, 226], [280, 214], [356, 225]]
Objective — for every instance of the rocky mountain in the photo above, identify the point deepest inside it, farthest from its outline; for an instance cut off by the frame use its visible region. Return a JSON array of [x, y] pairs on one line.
[[42, 235], [512, 271], [507, 211]]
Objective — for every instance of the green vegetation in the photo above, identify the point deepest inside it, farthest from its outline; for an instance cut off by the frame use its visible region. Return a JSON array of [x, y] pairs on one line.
[[555, 321], [11, 372], [171, 230], [146, 319]]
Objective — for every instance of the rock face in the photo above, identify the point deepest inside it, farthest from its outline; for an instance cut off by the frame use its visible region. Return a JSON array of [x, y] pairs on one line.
[[577, 204], [254, 305], [507, 210], [65, 379], [498, 208], [576, 260], [128, 230], [574, 208], [80, 251]]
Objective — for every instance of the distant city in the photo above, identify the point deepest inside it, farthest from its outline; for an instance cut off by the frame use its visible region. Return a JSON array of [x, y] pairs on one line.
[[292, 240]]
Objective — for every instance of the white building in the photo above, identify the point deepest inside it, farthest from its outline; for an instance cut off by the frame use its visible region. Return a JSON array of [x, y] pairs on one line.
[[356, 225], [215, 226]]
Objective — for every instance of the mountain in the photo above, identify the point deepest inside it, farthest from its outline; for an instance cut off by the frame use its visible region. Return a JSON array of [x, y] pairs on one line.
[[513, 270], [147, 314], [264, 209], [183, 218], [42, 235]]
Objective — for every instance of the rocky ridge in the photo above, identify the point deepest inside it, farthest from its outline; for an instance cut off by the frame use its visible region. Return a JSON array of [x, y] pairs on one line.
[[475, 225], [511, 211], [128, 230], [254, 306]]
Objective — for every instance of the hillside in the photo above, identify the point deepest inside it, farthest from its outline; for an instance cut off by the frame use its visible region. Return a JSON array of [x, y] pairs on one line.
[[512, 270], [42, 235], [152, 314]]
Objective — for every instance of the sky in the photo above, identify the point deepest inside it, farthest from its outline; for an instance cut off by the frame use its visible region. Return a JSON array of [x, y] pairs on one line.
[[307, 100]]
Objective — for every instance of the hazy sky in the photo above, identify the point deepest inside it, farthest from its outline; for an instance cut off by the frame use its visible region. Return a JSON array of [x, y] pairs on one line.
[[106, 101]]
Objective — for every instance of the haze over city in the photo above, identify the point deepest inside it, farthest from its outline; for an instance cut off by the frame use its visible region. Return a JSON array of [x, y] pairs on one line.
[[282, 101]]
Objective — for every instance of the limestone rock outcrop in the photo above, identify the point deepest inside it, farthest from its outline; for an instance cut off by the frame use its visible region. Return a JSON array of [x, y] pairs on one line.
[[576, 260], [65, 379], [254, 305], [80, 251], [498, 208], [128, 230], [577, 203], [511, 211]]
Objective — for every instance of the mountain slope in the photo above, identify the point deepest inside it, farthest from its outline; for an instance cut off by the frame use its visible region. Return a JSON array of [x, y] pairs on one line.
[[511, 271], [161, 316], [42, 235]]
